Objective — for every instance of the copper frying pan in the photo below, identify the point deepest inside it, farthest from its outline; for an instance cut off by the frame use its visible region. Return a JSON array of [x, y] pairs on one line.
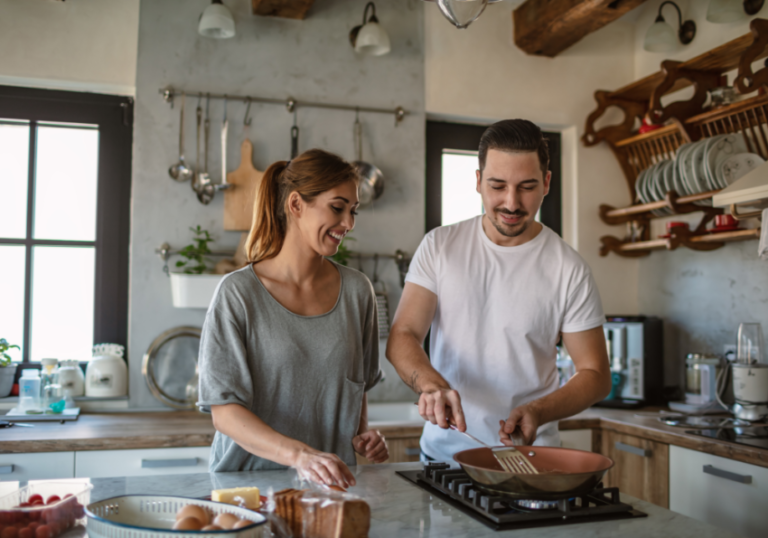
[[564, 472]]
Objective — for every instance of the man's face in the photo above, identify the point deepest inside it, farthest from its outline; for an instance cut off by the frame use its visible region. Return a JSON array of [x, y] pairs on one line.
[[512, 187]]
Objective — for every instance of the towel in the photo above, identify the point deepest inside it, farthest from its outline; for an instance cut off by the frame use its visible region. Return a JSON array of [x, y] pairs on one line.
[[762, 247]]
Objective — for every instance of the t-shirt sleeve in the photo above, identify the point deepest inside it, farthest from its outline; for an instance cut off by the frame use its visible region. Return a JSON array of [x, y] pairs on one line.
[[225, 377], [371, 366], [583, 309], [422, 270]]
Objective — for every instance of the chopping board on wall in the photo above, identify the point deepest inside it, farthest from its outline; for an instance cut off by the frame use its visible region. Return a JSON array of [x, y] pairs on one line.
[[240, 196]]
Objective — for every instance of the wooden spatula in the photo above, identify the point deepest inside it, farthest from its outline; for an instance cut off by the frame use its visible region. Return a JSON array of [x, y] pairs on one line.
[[510, 459]]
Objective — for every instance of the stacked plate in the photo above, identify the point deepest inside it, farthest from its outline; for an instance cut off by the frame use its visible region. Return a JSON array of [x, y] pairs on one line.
[[707, 165]]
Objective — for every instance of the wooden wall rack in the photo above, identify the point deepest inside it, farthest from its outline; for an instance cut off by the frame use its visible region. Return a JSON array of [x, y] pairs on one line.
[[684, 122]]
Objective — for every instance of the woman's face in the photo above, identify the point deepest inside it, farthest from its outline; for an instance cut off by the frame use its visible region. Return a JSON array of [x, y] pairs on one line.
[[325, 221]]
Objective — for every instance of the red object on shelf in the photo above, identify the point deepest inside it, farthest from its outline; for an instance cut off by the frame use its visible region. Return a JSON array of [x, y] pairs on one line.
[[15, 389], [648, 127]]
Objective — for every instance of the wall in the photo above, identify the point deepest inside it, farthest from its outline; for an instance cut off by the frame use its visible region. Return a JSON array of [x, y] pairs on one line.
[[310, 59], [479, 73], [702, 296], [86, 45]]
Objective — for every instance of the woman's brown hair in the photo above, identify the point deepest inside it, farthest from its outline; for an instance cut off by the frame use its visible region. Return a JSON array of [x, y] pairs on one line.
[[310, 174]]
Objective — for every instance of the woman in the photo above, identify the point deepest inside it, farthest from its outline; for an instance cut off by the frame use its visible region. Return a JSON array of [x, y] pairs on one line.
[[290, 341]]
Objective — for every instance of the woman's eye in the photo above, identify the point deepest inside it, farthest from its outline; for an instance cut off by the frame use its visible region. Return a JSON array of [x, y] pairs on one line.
[[354, 213], [337, 209]]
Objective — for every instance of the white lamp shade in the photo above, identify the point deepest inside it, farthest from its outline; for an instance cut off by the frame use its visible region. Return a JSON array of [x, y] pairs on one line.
[[660, 37], [372, 40], [725, 11], [217, 22]]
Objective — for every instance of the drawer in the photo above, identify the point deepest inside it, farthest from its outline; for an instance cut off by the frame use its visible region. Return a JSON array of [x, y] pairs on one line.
[[37, 466], [143, 462], [729, 494], [578, 439]]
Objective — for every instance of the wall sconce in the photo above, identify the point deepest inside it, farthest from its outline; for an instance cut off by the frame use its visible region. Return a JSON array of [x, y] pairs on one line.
[[216, 21], [369, 38], [661, 37], [725, 11]]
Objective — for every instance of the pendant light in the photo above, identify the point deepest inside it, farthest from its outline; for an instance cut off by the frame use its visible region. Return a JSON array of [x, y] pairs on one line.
[[370, 39], [725, 11], [661, 37], [461, 13], [216, 21]]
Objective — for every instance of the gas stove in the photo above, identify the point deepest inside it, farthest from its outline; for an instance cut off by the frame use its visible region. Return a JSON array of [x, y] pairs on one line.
[[752, 436], [503, 513]]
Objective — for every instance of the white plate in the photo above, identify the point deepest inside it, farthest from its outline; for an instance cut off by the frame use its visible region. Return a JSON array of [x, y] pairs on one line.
[[699, 175], [688, 169], [728, 147], [680, 160], [639, 186], [739, 165], [712, 147]]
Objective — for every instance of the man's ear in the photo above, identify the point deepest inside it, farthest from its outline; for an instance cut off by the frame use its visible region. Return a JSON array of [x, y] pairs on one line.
[[547, 181], [479, 176]]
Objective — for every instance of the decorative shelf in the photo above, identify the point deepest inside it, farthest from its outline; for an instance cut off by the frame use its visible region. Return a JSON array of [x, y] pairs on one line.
[[691, 240]]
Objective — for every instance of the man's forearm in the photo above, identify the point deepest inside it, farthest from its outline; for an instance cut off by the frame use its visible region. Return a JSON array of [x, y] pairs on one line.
[[405, 353], [584, 389]]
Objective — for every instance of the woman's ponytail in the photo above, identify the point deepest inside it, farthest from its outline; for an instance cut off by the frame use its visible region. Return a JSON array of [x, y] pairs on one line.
[[267, 233]]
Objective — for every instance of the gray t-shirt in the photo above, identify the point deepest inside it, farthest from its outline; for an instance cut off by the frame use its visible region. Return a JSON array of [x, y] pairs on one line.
[[303, 375]]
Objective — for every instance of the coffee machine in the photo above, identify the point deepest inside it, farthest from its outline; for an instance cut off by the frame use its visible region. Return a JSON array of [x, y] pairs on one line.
[[636, 353]]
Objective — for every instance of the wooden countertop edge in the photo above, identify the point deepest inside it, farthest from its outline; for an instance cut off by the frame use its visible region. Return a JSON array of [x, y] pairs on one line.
[[106, 443]]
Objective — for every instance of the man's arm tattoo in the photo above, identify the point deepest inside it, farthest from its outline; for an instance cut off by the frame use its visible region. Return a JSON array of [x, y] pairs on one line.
[[414, 379]]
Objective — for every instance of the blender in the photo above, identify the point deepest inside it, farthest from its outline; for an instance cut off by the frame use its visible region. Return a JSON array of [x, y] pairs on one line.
[[750, 374]]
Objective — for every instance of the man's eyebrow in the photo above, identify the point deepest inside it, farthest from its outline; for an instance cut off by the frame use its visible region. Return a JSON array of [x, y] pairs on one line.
[[497, 180]]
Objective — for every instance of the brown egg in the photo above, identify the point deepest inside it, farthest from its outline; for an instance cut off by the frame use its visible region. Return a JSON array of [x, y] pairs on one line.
[[197, 512], [242, 523], [211, 528], [225, 520], [187, 524]]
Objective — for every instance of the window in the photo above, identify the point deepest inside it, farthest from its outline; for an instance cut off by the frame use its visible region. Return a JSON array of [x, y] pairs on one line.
[[65, 169], [451, 180]]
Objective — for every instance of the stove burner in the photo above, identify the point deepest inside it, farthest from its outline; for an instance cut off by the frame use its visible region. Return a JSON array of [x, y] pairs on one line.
[[501, 513]]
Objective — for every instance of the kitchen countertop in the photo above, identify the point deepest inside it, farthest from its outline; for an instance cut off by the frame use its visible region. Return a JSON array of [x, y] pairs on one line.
[[182, 429], [398, 508]]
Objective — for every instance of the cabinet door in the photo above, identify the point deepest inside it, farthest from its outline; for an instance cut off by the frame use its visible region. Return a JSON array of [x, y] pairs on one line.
[[729, 494], [142, 462], [641, 467], [578, 439], [401, 450], [37, 466]]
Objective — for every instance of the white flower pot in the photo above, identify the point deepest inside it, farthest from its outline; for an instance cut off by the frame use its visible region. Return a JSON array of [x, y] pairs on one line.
[[193, 291], [7, 374]]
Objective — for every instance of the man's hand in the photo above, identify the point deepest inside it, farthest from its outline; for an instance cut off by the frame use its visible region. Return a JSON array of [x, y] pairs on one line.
[[442, 407], [372, 446], [520, 427]]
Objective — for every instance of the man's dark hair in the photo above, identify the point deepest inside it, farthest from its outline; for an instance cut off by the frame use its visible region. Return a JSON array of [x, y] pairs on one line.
[[514, 136]]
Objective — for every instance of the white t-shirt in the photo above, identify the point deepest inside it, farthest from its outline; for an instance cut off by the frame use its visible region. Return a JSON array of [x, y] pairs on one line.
[[500, 311]]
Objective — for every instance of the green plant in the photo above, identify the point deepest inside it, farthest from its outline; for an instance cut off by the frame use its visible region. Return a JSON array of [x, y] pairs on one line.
[[5, 359], [343, 255], [195, 254]]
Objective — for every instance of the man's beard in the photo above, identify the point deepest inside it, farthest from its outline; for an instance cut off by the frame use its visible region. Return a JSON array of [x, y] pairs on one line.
[[520, 228]]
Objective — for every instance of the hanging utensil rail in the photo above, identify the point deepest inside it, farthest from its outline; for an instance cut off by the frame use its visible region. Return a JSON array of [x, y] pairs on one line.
[[291, 104]]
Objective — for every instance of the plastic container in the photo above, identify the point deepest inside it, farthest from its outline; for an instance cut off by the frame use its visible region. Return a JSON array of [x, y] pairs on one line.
[[152, 516], [58, 517], [29, 391]]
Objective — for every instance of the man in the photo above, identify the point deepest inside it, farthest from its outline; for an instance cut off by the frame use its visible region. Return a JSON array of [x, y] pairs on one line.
[[499, 291]]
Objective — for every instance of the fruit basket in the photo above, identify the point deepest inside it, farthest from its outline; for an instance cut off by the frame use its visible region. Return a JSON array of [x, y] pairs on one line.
[[43, 509], [153, 516]]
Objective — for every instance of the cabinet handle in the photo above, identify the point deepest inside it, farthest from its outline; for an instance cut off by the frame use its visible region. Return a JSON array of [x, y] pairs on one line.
[[642, 452], [181, 462], [6, 469], [413, 451], [740, 478]]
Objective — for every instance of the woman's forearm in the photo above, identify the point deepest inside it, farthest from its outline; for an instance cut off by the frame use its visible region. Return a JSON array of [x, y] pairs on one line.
[[255, 436]]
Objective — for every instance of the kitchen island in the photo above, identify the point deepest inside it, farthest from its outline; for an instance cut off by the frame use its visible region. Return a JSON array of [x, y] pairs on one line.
[[400, 509]]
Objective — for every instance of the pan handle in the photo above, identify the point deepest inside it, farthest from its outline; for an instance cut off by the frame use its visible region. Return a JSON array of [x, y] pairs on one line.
[[642, 452]]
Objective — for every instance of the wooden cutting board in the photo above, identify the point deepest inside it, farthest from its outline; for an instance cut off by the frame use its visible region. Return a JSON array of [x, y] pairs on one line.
[[239, 198]]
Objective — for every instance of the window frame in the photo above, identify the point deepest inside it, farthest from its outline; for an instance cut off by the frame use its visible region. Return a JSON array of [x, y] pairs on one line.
[[443, 135], [114, 117]]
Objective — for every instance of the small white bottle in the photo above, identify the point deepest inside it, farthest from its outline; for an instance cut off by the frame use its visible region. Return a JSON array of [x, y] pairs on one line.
[[29, 391]]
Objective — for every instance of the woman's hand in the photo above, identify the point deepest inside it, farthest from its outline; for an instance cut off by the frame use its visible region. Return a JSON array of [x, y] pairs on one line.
[[372, 446], [323, 468]]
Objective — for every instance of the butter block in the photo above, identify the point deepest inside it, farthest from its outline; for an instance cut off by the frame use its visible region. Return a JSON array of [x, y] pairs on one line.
[[245, 497]]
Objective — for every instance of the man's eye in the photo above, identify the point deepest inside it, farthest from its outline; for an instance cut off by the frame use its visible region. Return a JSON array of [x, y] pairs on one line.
[[497, 188], [528, 188]]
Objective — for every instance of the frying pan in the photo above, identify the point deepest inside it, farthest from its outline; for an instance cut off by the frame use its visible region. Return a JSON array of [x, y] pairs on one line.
[[573, 472]]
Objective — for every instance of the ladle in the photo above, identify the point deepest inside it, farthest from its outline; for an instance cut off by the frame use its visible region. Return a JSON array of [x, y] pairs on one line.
[[180, 171]]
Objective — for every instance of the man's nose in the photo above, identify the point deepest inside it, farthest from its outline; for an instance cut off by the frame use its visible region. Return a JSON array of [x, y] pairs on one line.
[[512, 200]]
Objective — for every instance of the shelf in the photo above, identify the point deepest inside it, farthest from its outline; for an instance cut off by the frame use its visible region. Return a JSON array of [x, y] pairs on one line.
[[704, 242], [680, 205]]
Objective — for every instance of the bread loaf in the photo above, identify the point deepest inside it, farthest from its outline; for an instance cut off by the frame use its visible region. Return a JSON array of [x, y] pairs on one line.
[[310, 515]]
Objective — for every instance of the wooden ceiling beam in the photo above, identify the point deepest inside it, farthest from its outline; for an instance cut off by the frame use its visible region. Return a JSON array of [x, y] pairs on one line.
[[548, 27], [287, 9]]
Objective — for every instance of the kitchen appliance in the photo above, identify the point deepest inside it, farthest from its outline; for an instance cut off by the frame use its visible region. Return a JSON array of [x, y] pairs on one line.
[[750, 436], [107, 374], [636, 354], [749, 373], [701, 374], [500, 512]]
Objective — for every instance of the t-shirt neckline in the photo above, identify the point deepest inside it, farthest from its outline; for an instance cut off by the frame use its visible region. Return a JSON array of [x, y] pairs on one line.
[[516, 249]]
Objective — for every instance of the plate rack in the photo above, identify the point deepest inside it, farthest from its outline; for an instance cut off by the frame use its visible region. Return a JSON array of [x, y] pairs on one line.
[[684, 122]]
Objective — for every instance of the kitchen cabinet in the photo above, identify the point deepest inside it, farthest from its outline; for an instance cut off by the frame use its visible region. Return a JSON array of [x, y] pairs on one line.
[[729, 494], [578, 439], [38, 466], [403, 443], [641, 466], [142, 462]]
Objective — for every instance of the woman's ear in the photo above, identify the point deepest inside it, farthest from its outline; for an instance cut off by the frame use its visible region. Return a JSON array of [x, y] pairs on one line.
[[295, 205]]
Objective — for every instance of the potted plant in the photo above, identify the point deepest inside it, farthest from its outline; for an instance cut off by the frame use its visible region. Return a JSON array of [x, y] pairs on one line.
[[193, 285], [7, 368]]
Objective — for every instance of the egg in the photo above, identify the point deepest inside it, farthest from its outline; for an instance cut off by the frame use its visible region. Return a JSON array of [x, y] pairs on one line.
[[197, 512], [187, 524], [211, 528], [242, 523], [225, 520]]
